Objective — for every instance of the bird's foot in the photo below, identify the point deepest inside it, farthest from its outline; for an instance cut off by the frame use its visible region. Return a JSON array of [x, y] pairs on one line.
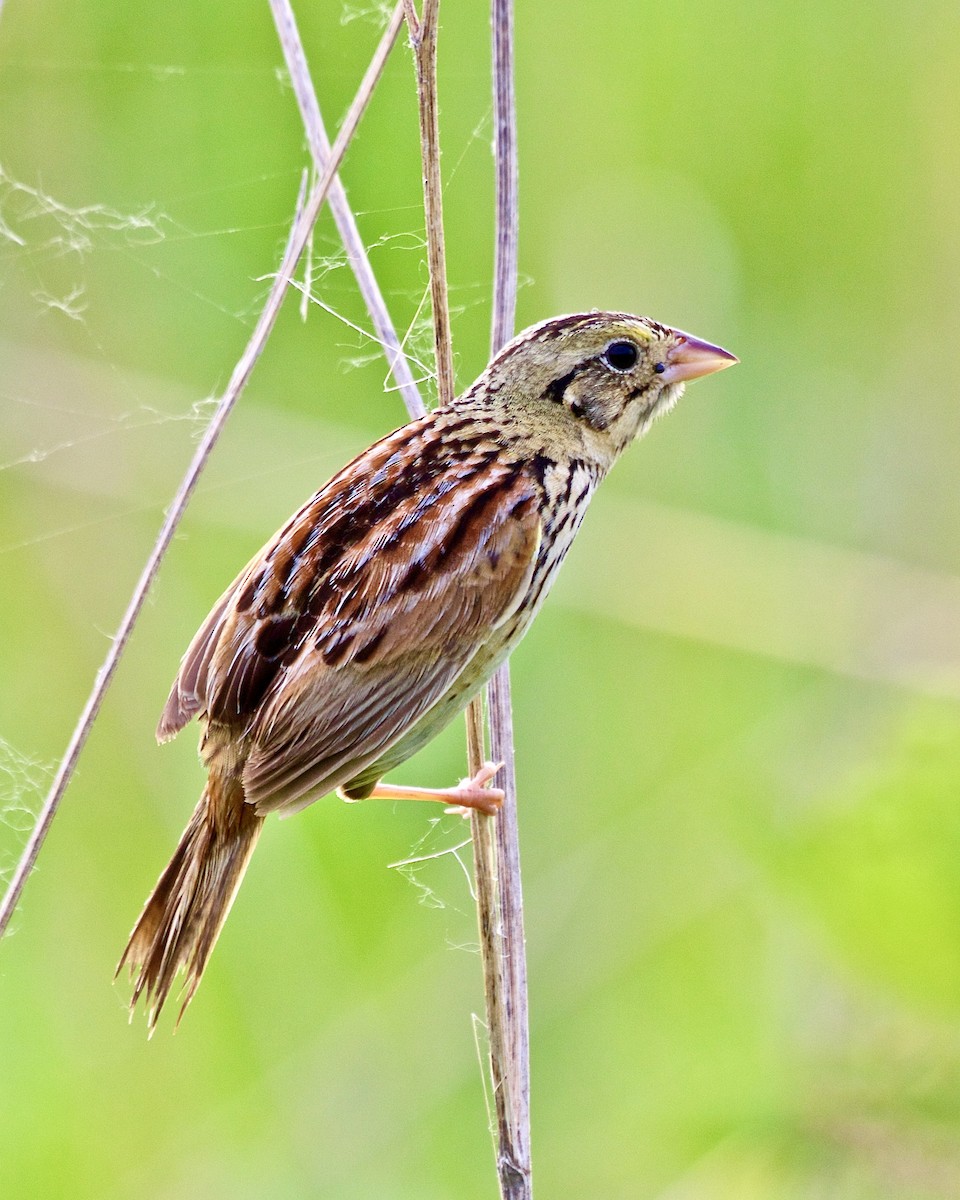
[[468, 794], [474, 794]]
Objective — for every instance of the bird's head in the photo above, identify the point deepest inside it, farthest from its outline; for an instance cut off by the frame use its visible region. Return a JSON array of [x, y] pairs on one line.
[[604, 375]]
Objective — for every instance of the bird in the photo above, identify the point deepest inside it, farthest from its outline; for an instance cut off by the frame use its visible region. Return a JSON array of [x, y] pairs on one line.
[[382, 607]]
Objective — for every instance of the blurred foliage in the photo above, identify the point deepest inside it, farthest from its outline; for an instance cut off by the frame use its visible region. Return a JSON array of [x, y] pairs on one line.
[[737, 719]]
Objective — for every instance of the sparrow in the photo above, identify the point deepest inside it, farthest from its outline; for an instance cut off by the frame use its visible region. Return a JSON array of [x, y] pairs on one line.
[[382, 607]]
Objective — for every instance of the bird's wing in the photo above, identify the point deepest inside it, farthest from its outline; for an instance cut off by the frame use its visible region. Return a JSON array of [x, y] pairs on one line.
[[269, 588], [400, 624], [362, 612]]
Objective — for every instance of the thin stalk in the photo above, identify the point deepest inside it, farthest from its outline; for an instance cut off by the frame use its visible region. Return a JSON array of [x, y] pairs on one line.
[[423, 38], [497, 843], [299, 233], [344, 219], [507, 182], [505, 964]]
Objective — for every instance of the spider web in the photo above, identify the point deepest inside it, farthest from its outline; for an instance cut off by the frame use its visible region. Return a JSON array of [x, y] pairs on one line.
[[23, 780]]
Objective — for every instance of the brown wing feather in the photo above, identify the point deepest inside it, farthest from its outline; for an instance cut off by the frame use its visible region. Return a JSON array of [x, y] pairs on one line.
[[365, 607], [264, 594], [338, 711]]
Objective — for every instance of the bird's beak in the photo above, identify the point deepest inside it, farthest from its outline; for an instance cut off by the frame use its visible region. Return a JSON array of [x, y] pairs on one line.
[[690, 359]]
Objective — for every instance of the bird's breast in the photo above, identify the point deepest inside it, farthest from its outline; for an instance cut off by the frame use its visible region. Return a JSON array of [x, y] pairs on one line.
[[567, 488]]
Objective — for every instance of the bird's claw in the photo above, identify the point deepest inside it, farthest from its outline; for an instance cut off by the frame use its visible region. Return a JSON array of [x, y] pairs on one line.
[[476, 795]]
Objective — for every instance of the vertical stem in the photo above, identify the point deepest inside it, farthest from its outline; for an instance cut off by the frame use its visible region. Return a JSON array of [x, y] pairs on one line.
[[505, 159], [496, 841], [496, 852], [510, 1043], [496, 855], [423, 36]]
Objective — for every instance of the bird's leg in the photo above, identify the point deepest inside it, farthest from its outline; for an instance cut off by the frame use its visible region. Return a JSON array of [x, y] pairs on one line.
[[469, 793]]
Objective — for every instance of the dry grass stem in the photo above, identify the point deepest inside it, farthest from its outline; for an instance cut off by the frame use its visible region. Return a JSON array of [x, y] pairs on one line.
[[423, 38], [309, 105], [497, 842], [506, 972], [300, 232], [507, 182]]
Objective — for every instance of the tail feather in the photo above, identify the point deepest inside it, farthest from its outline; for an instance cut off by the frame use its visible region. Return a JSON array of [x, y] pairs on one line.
[[182, 919]]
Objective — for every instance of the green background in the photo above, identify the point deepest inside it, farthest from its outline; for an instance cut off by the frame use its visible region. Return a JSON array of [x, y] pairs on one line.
[[737, 717]]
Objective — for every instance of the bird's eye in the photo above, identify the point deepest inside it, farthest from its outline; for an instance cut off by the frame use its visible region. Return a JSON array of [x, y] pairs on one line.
[[660, 368], [620, 356]]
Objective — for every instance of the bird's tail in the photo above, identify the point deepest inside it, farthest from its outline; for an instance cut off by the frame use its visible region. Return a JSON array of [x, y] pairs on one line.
[[180, 922]]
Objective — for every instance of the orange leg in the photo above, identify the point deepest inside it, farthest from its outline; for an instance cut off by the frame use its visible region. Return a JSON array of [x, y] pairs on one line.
[[470, 793]]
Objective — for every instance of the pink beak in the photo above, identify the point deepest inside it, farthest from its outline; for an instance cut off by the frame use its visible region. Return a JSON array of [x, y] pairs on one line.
[[691, 359]]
